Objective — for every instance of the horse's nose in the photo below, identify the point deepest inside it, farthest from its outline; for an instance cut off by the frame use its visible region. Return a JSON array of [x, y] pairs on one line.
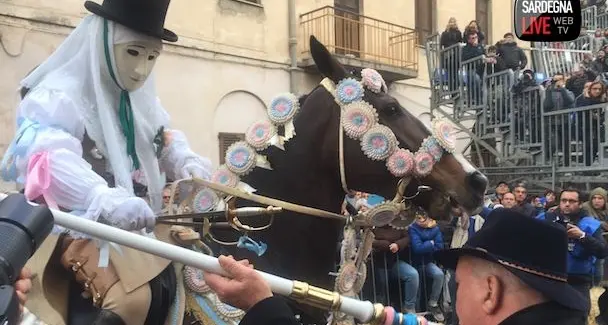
[[477, 181]]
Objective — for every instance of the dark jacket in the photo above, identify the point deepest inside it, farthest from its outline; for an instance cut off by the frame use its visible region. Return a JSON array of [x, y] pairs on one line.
[[384, 236], [576, 84], [270, 311], [451, 37], [490, 67], [557, 99], [472, 51], [513, 55], [526, 209], [422, 247], [548, 313]]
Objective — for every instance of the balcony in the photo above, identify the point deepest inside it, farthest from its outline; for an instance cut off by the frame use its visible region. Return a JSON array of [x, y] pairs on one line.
[[359, 42]]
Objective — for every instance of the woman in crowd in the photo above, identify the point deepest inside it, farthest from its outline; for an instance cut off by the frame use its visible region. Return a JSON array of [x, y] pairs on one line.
[[473, 28], [426, 238]]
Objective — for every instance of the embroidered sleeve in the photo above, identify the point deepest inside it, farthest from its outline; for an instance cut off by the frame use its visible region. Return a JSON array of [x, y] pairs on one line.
[[46, 154]]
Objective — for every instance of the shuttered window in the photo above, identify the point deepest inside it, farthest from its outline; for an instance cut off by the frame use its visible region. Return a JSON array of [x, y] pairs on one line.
[[225, 140], [424, 19]]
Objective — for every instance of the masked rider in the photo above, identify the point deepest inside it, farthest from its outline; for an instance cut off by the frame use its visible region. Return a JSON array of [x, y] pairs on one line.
[[91, 136]]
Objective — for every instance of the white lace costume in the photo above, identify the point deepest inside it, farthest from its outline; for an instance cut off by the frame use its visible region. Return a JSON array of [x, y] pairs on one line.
[[72, 92]]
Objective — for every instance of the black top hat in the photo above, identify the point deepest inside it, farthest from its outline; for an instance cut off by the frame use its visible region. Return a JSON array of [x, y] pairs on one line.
[[534, 250], [144, 16]]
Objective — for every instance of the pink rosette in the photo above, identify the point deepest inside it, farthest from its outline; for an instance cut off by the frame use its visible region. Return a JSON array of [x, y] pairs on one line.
[[225, 177], [258, 135], [401, 163], [205, 200], [432, 146], [423, 163], [358, 118], [371, 79], [240, 158], [195, 280], [379, 142], [349, 90], [444, 133]]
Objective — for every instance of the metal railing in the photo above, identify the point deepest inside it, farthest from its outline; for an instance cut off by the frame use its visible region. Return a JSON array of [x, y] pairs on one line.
[[528, 125], [561, 57], [358, 36]]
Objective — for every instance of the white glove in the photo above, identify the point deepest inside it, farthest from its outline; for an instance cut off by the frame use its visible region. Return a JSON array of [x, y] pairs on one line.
[[198, 168], [133, 214], [117, 207]]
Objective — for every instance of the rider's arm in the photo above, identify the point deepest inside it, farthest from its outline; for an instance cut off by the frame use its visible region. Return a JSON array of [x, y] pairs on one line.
[[54, 147], [177, 157], [270, 311]]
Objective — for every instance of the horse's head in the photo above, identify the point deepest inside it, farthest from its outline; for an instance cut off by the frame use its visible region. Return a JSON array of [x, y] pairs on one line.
[[364, 162]]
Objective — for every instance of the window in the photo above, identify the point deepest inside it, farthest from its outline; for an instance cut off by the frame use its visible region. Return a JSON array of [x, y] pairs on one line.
[[482, 15], [347, 27], [424, 19], [225, 140]]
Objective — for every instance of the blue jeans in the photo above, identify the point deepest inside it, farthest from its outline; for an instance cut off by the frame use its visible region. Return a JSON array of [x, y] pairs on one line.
[[434, 274], [408, 277]]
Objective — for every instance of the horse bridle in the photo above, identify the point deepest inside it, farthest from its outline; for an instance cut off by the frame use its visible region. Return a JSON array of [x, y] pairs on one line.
[[359, 120]]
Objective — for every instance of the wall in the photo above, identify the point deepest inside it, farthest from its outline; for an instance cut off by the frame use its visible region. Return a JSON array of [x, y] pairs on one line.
[[232, 56]]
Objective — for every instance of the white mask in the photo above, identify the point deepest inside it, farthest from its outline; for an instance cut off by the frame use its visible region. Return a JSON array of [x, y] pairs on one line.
[[135, 61]]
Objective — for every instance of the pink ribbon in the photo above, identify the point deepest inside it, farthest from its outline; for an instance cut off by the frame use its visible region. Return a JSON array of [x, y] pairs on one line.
[[38, 179]]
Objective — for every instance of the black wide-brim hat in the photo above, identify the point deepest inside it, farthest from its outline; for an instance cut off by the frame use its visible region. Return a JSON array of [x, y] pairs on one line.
[[533, 250], [144, 16]]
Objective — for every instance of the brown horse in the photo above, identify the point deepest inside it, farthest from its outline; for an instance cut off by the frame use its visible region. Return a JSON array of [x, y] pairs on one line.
[[307, 172]]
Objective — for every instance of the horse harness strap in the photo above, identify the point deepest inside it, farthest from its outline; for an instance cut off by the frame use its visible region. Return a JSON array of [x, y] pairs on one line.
[[331, 88]]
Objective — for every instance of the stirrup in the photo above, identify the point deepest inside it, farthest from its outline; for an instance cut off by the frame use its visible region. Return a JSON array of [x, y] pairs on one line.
[[106, 317]]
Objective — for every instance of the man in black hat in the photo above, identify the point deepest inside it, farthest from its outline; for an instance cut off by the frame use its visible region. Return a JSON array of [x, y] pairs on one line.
[[513, 272], [92, 125]]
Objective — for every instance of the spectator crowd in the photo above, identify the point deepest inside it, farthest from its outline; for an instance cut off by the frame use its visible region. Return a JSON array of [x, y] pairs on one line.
[[403, 259]]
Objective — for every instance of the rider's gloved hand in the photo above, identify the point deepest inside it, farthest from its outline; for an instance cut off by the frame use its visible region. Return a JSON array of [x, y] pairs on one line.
[[196, 167], [133, 214], [119, 208]]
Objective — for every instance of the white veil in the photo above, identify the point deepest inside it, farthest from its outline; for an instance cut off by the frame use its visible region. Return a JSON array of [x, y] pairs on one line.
[[78, 68]]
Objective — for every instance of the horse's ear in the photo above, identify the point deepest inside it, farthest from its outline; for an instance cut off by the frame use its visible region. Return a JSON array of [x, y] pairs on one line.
[[326, 63]]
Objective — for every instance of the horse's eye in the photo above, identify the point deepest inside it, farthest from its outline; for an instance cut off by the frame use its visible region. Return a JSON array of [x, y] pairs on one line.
[[392, 109]]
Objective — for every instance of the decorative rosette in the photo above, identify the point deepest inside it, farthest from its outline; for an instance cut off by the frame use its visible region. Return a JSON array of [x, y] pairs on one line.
[[381, 215], [283, 108], [371, 79], [225, 311], [240, 158], [260, 134], [444, 133], [204, 200], [400, 163], [349, 90], [379, 142], [432, 146], [195, 280], [423, 163], [347, 277], [358, 118], [225, 177]]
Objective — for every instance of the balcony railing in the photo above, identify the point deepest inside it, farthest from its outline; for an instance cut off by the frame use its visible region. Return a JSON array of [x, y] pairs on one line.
[[353, 35]]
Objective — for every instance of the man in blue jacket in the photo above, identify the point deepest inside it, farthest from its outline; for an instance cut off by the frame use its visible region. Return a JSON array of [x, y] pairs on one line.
[[585, 240]]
